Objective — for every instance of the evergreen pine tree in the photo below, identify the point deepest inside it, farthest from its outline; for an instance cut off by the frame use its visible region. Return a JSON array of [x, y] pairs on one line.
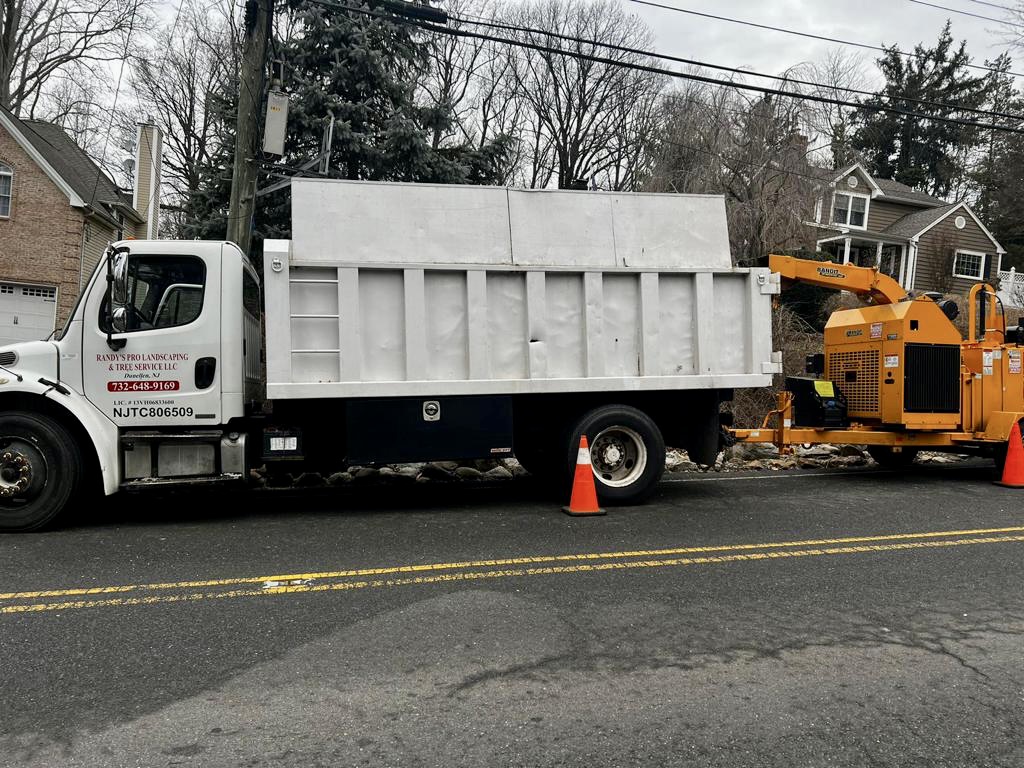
[[926, 154], [988, 172], [364, 70]]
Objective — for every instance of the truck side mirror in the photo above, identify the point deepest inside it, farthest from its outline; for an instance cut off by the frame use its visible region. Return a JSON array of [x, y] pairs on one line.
[[119, 320], [118, 297]]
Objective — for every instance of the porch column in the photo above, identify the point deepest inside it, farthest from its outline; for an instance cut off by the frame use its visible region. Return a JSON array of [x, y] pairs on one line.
[[846, 251], [903, 265], [912, 266], [878, 255]]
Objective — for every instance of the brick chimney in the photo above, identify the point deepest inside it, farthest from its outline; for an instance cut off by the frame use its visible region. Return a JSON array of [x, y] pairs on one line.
[[146, 197], [796, 150]]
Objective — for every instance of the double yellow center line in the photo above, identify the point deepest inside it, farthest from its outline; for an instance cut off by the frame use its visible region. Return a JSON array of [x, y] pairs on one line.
[[474, 570]]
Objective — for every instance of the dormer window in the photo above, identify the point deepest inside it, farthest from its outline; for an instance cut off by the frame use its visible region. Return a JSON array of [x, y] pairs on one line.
[[850, 210], [6, 184]]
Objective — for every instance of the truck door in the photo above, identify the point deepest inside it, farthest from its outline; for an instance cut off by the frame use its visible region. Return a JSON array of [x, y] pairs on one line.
[[167, 314]]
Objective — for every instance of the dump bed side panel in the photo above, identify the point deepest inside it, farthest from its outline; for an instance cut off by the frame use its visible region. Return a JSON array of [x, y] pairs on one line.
[[353, 330]]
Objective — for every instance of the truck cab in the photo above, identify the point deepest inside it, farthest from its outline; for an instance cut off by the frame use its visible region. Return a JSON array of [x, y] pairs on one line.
[[144, 385]]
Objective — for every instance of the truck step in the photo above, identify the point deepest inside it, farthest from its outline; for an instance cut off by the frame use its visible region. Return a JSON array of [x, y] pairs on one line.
[[197, 435], [180, 482]]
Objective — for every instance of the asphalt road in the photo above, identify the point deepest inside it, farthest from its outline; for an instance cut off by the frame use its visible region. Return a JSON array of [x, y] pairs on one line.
[[796, 619]]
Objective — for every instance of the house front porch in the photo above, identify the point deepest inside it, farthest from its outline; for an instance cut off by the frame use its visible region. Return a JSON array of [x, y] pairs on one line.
[[867, 249]]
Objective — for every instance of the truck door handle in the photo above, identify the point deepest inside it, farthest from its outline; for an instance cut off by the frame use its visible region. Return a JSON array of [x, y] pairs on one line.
[[206, 369]]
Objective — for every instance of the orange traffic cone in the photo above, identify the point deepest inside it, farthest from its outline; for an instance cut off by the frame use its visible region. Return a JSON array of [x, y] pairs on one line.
[[584, 491], [1013, 467]]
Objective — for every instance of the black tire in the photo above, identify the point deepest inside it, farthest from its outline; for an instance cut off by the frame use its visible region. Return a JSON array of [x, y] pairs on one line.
[[999, 459], [623, 473], [887, 458], [32, 500]]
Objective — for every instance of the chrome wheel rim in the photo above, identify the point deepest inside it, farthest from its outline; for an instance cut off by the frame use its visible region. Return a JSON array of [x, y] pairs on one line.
[[22, 471], [618, 456]]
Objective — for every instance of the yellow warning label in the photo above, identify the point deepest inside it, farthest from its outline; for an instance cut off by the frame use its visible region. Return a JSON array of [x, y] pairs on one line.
[[824, 388]]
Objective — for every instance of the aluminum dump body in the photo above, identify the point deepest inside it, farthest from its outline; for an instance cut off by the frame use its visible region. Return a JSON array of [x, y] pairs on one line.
[[410, 289]]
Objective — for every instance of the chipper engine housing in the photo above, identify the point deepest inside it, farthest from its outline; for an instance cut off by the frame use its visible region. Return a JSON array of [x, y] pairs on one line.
[[896, 364]]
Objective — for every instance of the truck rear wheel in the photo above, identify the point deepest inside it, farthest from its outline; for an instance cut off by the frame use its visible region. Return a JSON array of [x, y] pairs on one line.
[[627, 452], [40, 467]]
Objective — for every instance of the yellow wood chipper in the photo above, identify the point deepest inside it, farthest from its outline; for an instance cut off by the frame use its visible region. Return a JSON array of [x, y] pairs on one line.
[[896, 374]]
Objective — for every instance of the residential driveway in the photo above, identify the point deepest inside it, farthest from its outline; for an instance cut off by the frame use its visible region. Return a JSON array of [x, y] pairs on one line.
[[784, 619]]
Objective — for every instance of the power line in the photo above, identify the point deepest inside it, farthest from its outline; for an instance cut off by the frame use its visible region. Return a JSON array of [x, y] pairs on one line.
[[689, 99], [113, 107], [170, 39], [661, 70], [478, 21], [656, 70], [757, 166], [801, 34], [994, 5], [966, 13]]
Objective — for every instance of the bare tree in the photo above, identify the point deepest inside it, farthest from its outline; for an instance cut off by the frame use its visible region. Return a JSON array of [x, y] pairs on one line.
[[41, 40], [500, 112], [455, 74], [76, 105], [177, 84], [721, 141], [629, 159], [835, 72], [1012, 31], [695, 133], [587, 112]]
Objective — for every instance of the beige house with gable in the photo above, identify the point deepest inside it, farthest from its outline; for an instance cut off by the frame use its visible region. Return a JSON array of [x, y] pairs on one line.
[[926, 243], [58, 212]]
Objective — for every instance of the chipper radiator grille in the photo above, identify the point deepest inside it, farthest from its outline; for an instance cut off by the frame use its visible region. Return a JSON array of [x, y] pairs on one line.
[[856, 375], [932, 378]]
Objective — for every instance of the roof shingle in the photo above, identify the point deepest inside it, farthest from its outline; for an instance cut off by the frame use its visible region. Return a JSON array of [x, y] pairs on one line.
[[893, 190], [913, 223], [71, 162], [897, 190]]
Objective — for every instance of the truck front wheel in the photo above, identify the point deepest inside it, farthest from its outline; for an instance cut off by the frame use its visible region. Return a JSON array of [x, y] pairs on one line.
[[627, 452], [40, 468]]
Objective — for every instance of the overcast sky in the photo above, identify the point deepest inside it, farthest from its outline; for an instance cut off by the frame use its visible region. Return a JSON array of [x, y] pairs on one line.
[[868, 21]]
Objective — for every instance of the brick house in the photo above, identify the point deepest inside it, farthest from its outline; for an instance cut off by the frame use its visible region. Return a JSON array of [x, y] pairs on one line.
[[58, 212], [926, 243]]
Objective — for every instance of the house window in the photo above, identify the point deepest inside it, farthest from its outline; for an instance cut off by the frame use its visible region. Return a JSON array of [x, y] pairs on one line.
[[969, 264], [850, 210], [6, 182]]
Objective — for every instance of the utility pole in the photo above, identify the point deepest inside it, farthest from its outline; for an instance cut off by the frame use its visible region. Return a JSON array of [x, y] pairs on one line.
[[251, 79]]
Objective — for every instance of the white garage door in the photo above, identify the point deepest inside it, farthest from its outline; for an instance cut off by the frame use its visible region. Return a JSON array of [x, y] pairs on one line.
[[27, 312]]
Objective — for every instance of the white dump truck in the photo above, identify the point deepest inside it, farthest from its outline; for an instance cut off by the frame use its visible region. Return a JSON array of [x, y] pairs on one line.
[[403, 323]]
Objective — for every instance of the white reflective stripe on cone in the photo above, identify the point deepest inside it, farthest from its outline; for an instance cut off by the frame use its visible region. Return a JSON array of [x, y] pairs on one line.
[[583, 457]]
